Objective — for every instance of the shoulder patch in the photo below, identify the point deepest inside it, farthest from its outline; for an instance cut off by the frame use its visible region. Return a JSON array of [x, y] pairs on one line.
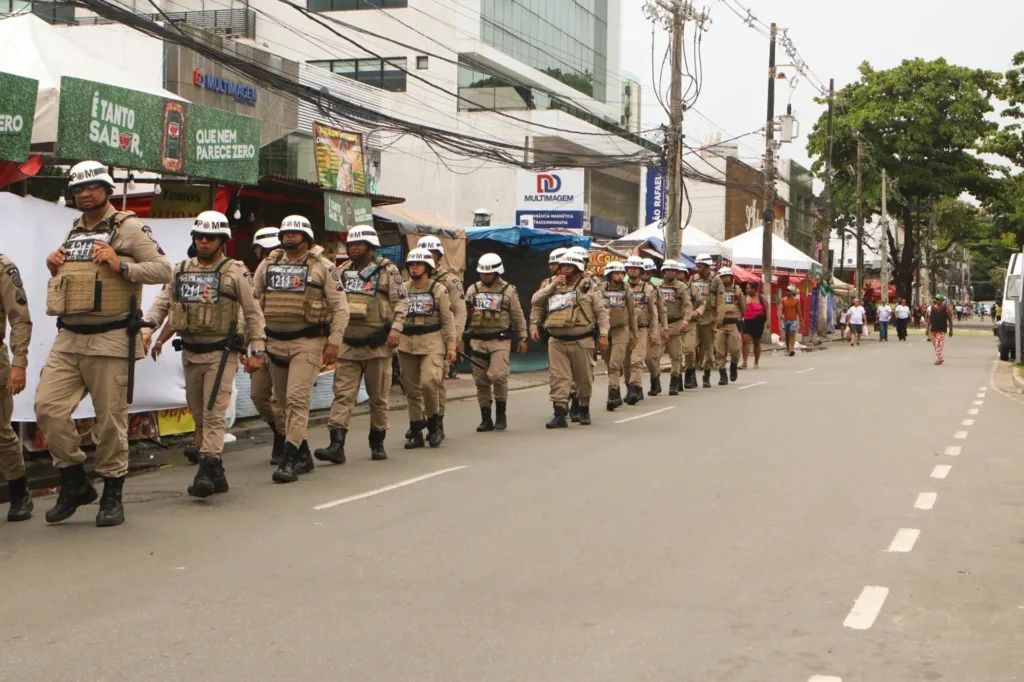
[[249, 278], [15, 276], [336, 274], [20, 297]]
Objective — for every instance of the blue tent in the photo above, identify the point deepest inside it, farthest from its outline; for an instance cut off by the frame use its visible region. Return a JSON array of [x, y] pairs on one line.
[[659, 246], [529, 237]]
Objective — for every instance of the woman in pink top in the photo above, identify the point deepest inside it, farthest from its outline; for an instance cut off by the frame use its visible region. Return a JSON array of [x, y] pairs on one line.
[[754, 317]]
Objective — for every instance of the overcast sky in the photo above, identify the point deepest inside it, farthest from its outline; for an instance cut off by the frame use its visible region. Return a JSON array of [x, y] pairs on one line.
[[833, 38]]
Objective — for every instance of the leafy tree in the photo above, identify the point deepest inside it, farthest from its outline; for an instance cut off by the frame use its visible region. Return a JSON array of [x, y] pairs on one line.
[[1006, 204]]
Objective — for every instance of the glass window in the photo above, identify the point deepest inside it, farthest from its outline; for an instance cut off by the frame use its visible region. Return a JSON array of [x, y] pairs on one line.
[[345, 5], [389, 75], [422, 62]]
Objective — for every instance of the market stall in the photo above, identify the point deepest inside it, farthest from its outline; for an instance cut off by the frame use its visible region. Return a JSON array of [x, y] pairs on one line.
[[695, 241]]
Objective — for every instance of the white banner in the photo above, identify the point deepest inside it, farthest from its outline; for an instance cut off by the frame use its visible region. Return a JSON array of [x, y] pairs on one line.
[[29, 230]]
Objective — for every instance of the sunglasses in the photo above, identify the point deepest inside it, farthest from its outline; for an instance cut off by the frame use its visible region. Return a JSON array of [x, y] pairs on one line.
[[93, 187], [204, 237]]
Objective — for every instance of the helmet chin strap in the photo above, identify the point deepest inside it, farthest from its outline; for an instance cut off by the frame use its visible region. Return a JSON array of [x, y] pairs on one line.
[[294, 246]]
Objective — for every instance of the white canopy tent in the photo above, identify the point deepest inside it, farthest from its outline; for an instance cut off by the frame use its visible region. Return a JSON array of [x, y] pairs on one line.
[[695, 241], [747, 247], [32, 48]]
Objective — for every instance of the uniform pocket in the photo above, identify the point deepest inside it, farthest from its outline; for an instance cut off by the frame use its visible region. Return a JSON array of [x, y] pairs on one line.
[[56, 296], [121, 380]]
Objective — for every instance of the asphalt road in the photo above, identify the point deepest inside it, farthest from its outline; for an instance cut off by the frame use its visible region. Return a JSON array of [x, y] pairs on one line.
[[737, 534]]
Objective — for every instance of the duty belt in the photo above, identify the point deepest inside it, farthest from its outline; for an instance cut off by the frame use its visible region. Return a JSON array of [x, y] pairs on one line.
[[211, 347], [374, 340], [92, 328], [572, 337], [490, 336], [307, 333], [419, 331], [731, 320], [643, 326], [673, 320]]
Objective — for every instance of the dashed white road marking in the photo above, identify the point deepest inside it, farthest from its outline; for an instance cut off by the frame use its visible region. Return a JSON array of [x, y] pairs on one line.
[[973, 410], [960, 435], [805, 371], [979, 403], [904, 540], [983, 388], [648, 414], [941, 470], [867, 607], [378, 491], [760, 383], [954, 450], [967, 422], [824, 678], [980, 395], [925, 500]]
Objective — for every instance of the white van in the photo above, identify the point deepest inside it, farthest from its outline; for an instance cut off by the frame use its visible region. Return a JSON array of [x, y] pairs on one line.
[[1011, 296]]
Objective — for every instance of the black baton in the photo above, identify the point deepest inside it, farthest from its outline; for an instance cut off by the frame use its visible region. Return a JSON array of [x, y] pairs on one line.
[[231, 344]]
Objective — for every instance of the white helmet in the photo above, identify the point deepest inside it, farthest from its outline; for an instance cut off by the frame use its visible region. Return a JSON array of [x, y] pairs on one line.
[[420, 255], [296, 223], [363, 233], [614, 266], [570, 258], [649, 265], [267, 238], [725, 272], [580, 251], [556, 256], [490, 262], [212, 223], [89, 172], [672, 265], [635, 262], [430, 244], [704, 259]]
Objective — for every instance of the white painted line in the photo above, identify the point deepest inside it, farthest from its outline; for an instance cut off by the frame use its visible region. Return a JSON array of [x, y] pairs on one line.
[[967, 422], [973, 410], [960, 435], [954, 450], [941, 470], [978, 403], [378, 491], [648, 414], [925, 500], [904, 540], [845, 358], [760, 383], [824, 678], [865, 610], [805, 371], [983, 388], [980, 395]]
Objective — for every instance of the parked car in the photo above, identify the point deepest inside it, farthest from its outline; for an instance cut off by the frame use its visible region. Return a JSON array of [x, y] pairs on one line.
[[1004, 328]]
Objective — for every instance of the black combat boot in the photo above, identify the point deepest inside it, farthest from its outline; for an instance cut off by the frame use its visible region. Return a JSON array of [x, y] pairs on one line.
[[691, 379], [21, 501], [559, 421], [486, 423], [377, 444], [434, 437], [675, 384], [500, 422], [440, 425], [723, 377], [288, 470], [335, 452], [584, 415], [306, 463], [655, 385], [277, 453], [75, 491], [217, 475], [734, 371], [574, 409], [191, 453], [631, 394], [111, 511], [707, 378], [614, 399], [202, 484], [415, 440]]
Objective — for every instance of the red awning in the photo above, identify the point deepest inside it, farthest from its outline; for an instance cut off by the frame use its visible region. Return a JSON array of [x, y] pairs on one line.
[[743, 274], [11, 172]]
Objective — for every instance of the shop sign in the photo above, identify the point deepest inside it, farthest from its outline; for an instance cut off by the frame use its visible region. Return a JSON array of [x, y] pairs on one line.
[[342, 213], [17, 112], [599, 259], [239, 92], [180, 202], [222, 145], [552, 200], [654, 210], [340, 164]]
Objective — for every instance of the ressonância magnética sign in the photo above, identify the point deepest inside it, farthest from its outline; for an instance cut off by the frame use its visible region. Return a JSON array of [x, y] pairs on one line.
[[17, 112]]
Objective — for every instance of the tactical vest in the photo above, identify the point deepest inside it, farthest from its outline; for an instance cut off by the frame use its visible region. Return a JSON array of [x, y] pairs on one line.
[[672, 295], [489, 310], [703, 286], [618, 313], [732, 306], [423, 316], [368, 303], [643, 318], [571, 308], [200, 304], [84, 287], [290, 294]]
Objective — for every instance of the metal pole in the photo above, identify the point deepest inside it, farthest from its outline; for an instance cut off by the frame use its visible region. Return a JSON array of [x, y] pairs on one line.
[[674, 225], [769, 184], [885, 245], [860, 228], [828, 169]]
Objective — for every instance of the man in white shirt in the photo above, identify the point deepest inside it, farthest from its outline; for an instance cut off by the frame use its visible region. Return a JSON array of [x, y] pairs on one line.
[[855, 317], [884, 315], [902, 319]]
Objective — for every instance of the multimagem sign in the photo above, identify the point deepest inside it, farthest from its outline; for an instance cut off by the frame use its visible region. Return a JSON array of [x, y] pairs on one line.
[[552, 200]]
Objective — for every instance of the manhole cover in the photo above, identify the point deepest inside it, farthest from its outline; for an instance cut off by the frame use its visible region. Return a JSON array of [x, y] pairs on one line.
[[151, 496]]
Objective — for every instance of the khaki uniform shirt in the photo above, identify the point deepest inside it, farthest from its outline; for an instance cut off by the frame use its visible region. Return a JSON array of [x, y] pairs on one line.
[[731, 303], [606, 286], [13, 309], [510, 303], [540, 301], [683, 291], [433, 343], [391, 285], [696, 300], [457, 297], [653, 314], [710, 290]]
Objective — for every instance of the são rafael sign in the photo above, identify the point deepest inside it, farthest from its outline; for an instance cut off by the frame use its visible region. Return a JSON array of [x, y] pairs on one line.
[[139, 131], [17, 111]]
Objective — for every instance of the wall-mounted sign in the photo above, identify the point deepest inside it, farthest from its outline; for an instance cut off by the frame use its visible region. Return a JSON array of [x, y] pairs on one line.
[[340, 164], [655, 204], [237, 91], [342, 213], [554, 200], [177, 201], [17, 112]]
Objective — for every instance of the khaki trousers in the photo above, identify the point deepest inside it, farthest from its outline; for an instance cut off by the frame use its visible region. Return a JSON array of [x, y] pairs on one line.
[[199, 378], [442, 393], [615, 358], [261, 390], [727, 340], [63, 383], [293, 386], [422, 379], [689, 342], [347, 375], [12, 462], [653, 357], [706, 339], [570, 362], [490, 369], [675, 353], [636, 358]]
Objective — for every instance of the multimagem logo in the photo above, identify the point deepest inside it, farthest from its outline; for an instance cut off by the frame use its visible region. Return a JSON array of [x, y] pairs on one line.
[[548, 183], [548, 187], [246, 94]]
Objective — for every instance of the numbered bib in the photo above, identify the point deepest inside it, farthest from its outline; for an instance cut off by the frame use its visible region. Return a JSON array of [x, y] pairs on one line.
[[561, 301], [198, 287], [704, 287], [421, 305], [640, 298], [489, 302], [353, 283], [668, 295], [79, 247], [287, 278], [616, 299], [730, 297]]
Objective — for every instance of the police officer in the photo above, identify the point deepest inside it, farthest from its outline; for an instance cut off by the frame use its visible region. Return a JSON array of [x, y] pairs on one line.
[[678, 309], [574, 313], [97, 276], [203, 305], [13, 308], [618, 297], [646, 305], [731, 304], [592, 280], [428, 339], [450, 281], [656, 345], [710, 287], [690, 335], [261, 388], [554, 262], [496, 322], [378, 304], [306, 317]]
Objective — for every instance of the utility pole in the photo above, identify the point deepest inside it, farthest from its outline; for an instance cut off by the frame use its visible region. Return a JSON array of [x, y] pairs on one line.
[[860, 227], [885, 245], [769, 185], [828, 170], [674, 226]]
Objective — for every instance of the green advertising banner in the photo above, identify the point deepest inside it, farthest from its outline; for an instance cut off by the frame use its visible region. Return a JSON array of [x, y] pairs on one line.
[[342, 213], [138, 131], [17, 112]]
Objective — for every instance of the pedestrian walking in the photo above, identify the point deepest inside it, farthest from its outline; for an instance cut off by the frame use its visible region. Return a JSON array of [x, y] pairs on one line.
[[731, 305], [675, 295], [261, 386], [710, 286], [13, 309], [940, 323], [902, 319], [94, 291], [755, 316], [656, 344], [645, 302], [622, 333], [884, 315], [790, 314], [855, 318]]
